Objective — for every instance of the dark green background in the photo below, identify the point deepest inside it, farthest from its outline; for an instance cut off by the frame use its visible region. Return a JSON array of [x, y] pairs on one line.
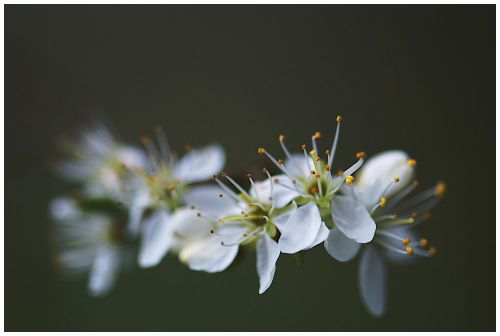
[[418, 78]]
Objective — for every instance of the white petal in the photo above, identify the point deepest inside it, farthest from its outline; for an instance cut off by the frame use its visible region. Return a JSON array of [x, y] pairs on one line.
[[64, 208], [131, 157], [370, 194], [136, 211], [206, 198], [352, 218], [299, 229], [298, 165], [104, 270], [157, 239], [320, 236], [385, 167], [340, 247], [283, 193], [372, 281], [209, 254], [267, 255], [188, 226], [200, 164]]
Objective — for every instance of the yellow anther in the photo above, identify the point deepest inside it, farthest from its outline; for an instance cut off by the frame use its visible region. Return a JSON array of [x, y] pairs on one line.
[[415, 183], [313, 172], [282, 137], [440, 189], [349, 179], [432, 250], [423, 242], [396, 179], [198, 214], [409, 250], [410, 220], [360, 155], [317, 158], [406, 241], [294, 181], [281, 162], [313, 153], [327, 167], [317, 134], [276, 180], [224, 174], [412, 163], [339, 118], [340, 173], [327, 152], [261, 150], [317, 175], [383, 202], [303, 146]]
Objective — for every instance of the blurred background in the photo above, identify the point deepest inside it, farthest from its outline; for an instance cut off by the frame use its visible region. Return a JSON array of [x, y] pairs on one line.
[[418, 78]]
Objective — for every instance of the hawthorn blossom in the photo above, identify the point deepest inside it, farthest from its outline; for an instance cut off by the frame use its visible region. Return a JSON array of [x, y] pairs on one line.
[[165, 181], [244, 218], [89, 244], [96, 160], [376, 205]]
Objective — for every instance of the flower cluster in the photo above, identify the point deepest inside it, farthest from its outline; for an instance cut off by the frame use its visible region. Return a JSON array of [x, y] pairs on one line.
[[133, 206]]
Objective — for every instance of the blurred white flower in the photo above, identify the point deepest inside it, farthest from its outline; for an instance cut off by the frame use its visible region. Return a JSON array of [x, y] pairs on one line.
[[97, 160], [88, 245], [375, 208], [164, 183]]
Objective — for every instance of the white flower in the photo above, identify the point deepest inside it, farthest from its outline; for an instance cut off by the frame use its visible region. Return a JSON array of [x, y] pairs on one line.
[[368, 209], [88, 244], [248, 218], [98, 161], [165, 182]]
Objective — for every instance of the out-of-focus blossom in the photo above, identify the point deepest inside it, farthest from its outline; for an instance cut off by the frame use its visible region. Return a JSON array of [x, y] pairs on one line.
[[380, 203]]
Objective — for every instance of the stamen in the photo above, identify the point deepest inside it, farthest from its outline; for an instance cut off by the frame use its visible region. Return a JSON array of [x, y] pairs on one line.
[[253, 185], [287, 153], [406, 241], [423, 242], [237, 186], [349, 179], [282, 167], [412, 163], [409, 250], [226, 189], [400, 196], [440, 189], [313, 140], [151, 150], [335, 141], [163, 143], [360, 155]]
